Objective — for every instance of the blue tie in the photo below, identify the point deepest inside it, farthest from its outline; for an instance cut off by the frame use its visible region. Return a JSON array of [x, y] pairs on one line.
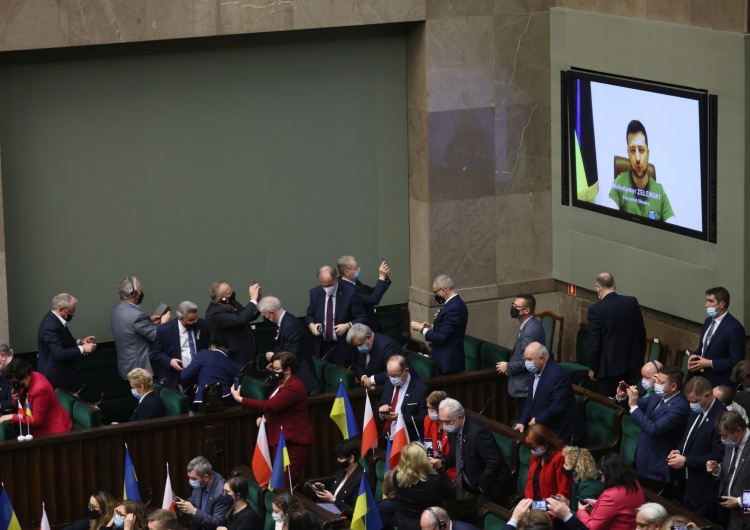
[[191, 344]]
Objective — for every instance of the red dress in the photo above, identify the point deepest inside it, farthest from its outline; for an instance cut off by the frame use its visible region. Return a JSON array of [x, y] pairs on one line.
[[552, 481], [47, 415], [439, 437]]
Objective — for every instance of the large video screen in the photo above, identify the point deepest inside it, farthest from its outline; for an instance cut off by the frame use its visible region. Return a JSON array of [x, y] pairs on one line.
[[638, 151]]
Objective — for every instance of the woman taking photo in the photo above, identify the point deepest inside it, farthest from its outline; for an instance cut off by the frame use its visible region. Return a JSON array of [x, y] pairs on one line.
[[616, 507], [433, 432], [546, 477], [240, 516], [418, 486], [286, 407], [345, 487]]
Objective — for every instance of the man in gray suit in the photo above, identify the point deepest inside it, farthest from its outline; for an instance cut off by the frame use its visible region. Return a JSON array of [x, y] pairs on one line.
[[531, 331], [734, 470], [133, 330]]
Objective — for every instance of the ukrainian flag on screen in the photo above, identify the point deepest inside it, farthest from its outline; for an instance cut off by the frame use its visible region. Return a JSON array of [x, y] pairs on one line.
[[587, 183]]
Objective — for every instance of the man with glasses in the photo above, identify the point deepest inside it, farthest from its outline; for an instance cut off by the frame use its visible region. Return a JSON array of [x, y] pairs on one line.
[[531, 330], [650, 516], [734, 469], [617, 336], [403, 394], [446, 333]]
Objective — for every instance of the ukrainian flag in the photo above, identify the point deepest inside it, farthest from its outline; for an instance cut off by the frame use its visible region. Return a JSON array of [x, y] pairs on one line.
[[343, 415], [28, 411], [8, 520], [280, 463], [365, 516], [130, 490]]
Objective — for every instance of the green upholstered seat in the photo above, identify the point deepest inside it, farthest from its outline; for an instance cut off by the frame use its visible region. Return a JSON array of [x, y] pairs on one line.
[[335, 375], [269, 523], [6, 431], [391, 324], [491, 354], [379, 478], [579, 370], [423, 366], [320, 373], [524, 461], [66, 400], [493, 522], [629, 439], [473, 353], [506, 446], [253, 388], [85, 416], [174, 402], [602, 427]]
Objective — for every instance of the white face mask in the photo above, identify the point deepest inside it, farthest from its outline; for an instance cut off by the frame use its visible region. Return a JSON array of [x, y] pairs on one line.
[[330, 290], [278, 517]]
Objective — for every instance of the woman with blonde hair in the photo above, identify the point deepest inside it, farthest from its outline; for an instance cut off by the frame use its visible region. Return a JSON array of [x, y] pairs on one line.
[[419, 483], [150, 404], [581, 468], [100, 510]]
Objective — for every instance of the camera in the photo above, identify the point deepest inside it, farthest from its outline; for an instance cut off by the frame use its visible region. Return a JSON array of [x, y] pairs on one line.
[[539, 505]]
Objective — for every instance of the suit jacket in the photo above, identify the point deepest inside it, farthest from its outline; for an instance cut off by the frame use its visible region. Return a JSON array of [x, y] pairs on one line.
[[661, 430], [461, 525], [348, 309], [235, 321], [286, 408], [6, 400], [371, 297], [617, 336], [551, 478], [47, 415], [215, 510], [382, 348], [134, 333], [149, 407], [210, 366], [737, 520], [554, 405], [726, 349], [518, 376], [703, 445], [413, 406], [245, 519], [483, 463], [58, 353], [347, 495], [614, 510], [411, 501], [292, 337], [447, 336], [167, 347]]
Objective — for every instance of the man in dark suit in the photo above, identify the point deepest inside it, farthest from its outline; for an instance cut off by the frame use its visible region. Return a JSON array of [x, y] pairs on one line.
[[551, 401], [722, 343], [211, 366], [436, 518], [334, 308], [6, 399], [206, 504], [59, 352], [349, 271], [290, 337], [699, 444], [226, 314], [480, 466], [617, 337], [447, 331], [734, 470], [403, 394], [531, 330], [177, 342], [374, 350], [662, 418]]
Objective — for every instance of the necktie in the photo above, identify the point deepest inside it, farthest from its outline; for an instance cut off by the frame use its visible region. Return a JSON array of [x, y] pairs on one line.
[[191, 344], [732, 469], [459, 461], [329, 319], [394, 403], [709, 336], [659, 404], [690, 433]]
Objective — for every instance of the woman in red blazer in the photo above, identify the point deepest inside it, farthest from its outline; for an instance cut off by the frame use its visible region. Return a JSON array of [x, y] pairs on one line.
[[432, 430], [615, 508], [546, 477], [287, 408], [47, 415]]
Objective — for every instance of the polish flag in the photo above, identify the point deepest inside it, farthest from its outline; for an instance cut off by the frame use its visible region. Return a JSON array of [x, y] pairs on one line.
[[45, 522], [262, 457], [168, 502], [400, 440], [369, 430]]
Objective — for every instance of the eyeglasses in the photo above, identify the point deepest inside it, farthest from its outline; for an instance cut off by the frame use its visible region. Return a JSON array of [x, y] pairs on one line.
[[519, 306], [642, 525], [436, 291]]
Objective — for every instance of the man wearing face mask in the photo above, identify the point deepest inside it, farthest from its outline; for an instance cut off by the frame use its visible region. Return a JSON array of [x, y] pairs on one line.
[[349, 272], [133, 330], [734, 470], [648, 378], [403, 394], [334, 308], [531, 330], [551, 400], [662, 419], [700, 443], [226, 314], [207, 504], [212, 365], [722, 343], [6, 399], [480, 466], [374, 351], [290, 337], [446, 333], [177, 343], [59, 352]]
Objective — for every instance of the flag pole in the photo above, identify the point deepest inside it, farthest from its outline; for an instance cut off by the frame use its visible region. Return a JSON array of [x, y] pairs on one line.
[[28, 426], [415, 426]]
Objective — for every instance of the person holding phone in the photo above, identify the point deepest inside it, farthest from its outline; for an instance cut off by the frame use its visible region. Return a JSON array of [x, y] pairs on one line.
[[734, 470], [434, 432], [345, 487], [546, 475]]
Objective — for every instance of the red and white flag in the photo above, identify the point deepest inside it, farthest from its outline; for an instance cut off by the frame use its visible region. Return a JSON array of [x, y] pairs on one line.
[[262, 457], [400, 440], [168, 502], [369, 429], [45, 522]]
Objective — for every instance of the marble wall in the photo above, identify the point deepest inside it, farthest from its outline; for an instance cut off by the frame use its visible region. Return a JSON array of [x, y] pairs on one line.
[[478, 122]]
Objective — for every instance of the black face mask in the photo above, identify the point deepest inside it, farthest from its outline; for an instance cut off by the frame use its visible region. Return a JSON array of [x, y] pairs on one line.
[[514, 312], [68, 317], [277, 376], [93, 514], [140, 298], [190, 327], [570, 473], [342, 465], [231, 298], [439, 299]]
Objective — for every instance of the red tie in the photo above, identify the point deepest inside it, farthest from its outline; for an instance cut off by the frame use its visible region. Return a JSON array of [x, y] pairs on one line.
[[394, 403], [329, 319]]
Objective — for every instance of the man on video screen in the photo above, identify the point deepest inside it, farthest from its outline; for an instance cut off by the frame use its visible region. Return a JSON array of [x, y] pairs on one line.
[[634, 191]]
